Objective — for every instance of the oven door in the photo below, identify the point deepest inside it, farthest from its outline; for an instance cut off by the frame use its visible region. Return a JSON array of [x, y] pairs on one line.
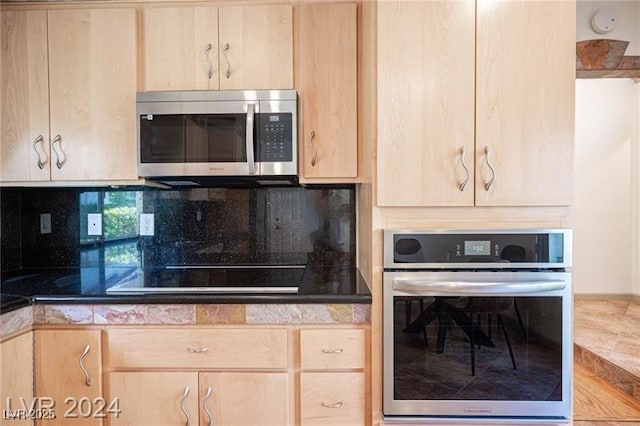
[[482, 344]]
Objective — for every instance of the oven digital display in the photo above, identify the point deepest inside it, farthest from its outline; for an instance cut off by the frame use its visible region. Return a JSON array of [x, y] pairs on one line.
[[477, 248]]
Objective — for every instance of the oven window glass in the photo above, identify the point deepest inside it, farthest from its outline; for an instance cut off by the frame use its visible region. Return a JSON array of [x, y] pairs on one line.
[[193, 138], [477, 348]]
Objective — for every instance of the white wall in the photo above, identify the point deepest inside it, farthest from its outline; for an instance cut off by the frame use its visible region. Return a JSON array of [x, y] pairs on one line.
[[607, 203], [606, 134]]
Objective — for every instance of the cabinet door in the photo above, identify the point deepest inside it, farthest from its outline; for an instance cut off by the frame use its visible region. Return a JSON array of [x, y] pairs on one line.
[[155, 398], [256, 47], [425, 103], [525, 102], [24, 108], [16, 362], [328, 98], [180, 48], [60, 356], [332, 398], [240, 399], [92, 75]]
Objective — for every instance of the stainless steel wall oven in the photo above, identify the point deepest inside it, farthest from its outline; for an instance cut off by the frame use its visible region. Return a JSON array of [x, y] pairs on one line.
[[477, 325]]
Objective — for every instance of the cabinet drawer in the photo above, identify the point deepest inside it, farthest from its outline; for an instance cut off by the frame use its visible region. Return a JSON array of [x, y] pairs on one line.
[[331, 349], [197, 348], [332, 398]]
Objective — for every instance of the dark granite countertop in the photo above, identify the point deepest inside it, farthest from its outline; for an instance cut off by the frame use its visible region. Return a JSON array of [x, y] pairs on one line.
[[95, 286]]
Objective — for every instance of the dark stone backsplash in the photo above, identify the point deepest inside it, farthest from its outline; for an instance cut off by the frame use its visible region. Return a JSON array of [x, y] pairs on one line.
[[201, 226]]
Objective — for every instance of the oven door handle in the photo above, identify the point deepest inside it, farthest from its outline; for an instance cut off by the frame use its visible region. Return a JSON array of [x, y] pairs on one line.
[[474, 288]]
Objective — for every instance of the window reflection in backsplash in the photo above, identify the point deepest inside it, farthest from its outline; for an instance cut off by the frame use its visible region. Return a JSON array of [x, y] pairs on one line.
[[192, 227]]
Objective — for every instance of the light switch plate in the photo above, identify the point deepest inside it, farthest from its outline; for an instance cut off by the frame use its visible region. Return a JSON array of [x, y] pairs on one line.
[[45, 223], [94, 224], [147, 224]]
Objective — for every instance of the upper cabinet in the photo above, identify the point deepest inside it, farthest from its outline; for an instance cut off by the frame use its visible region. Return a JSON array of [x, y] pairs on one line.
[[24, 141], [525, 101], [326, 82], [425, 103], [210, 48], [180, 48], [69, 84], [478, 108]]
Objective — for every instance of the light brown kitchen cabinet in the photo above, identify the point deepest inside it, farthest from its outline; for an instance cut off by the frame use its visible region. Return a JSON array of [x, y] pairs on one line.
[[326, 81], [155, 398], [24, 140], [256, 47], [332, 378], [255, 385], [68, 369], [180, 48], [209, 48], [460, 125], [16, 359], [525, 102], [69, 109]]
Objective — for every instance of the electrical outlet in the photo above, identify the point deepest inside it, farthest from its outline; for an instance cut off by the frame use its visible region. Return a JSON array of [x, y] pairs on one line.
[[45, 223], [94, 222], [146, 224]]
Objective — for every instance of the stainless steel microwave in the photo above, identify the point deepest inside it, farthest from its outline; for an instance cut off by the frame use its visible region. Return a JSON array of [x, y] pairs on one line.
[[204, 134]]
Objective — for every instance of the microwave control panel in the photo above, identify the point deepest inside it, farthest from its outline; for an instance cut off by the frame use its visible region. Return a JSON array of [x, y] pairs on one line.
[[275, 131]]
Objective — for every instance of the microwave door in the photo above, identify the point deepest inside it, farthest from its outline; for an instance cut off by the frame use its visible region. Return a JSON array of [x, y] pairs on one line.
[[205, 139]]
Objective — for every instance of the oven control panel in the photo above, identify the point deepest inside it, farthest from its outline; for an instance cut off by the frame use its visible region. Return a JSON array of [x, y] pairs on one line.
[[549, 248]]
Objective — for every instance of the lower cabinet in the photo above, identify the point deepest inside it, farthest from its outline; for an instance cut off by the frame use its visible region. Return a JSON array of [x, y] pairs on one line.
[[68, 373], [206, 398], [335, 398], [219, 376], [332, 379], [16, 380]]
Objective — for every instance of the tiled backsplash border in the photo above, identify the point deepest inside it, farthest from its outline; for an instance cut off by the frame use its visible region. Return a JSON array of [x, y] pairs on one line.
[[183, 314]]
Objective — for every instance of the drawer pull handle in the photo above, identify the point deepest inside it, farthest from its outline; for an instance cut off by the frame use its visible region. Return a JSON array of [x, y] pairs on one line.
[[336, 405], [332, 351], [207, 48], [205, 408], [197, 350], [40, 163], [493, 172], [184, 410], [87, 379], [466, 170]]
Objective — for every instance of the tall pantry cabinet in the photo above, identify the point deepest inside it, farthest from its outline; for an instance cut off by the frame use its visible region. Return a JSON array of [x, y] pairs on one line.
[[475, 103]]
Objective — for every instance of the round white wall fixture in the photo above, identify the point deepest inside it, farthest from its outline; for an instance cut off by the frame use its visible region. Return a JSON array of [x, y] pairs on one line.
[[603, 21]]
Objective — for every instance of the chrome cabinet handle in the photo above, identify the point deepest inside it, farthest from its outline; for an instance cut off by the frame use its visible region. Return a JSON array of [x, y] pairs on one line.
[[197, 350], [328, 405], [251, 110], [225, 49], [207, 48], [332, 351], [87, 379], [184, 410], [204, 405], [41, 163], [493, 172], [313, 145], [466, 169], [60, 157]]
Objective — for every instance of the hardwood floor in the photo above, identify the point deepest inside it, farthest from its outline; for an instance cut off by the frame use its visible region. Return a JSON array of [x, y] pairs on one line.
[[596, 403]]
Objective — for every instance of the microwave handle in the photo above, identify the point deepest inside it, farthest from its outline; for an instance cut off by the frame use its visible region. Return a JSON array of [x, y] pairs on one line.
[[249, 139], [465, 288]]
